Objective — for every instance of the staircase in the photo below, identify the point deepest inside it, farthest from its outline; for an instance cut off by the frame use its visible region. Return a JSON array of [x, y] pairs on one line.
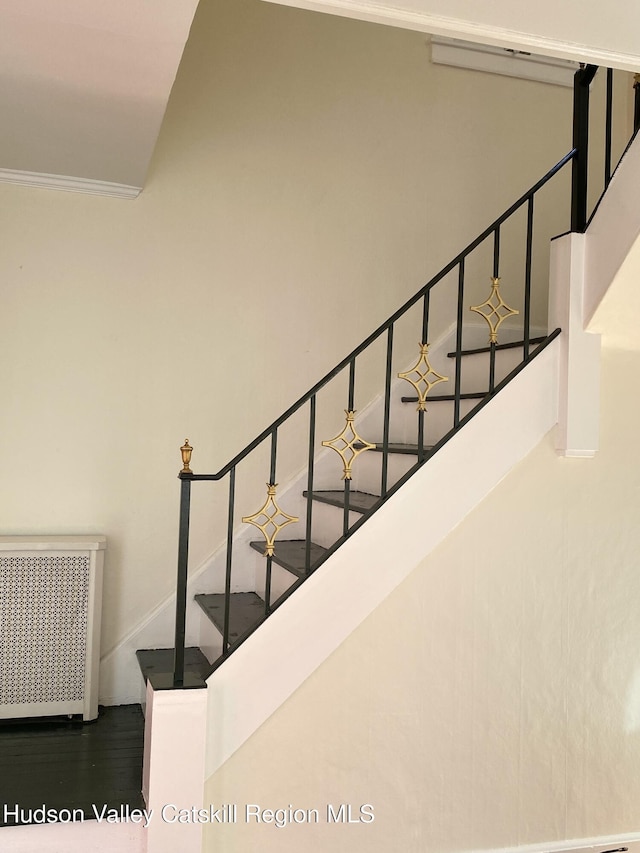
[[380, 468], [393, 438], [400, 460]]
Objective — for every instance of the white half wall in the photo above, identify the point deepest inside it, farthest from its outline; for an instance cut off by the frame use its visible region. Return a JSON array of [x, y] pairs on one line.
[[492, 701], [612, 258], [306, 629], [579, 416], [76, 837]]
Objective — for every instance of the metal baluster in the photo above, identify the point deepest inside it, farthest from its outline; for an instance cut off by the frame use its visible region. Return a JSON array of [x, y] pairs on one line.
[[527, 280], [227, 579], [272, 479], [312, 436], [181, 584], [387, 412], [458, 383], [496, 274], [425, 332], [347, 481], [608, 129]]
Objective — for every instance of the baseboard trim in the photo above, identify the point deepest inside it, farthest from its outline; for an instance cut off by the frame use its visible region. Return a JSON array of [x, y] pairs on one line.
[[602, 843], [41, 180]]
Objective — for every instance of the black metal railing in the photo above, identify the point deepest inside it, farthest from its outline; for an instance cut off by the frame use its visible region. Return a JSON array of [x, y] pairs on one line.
[[584, 169], [488, 248]]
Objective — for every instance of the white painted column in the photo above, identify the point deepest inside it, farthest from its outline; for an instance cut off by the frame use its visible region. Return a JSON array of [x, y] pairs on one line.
[[579, 389], [174, 767]]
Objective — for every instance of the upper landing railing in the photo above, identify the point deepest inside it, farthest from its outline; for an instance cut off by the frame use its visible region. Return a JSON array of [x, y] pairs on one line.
[[489, 244]]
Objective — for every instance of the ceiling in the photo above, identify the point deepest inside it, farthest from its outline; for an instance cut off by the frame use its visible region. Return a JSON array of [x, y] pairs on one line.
[[84, 84], [582, 30], [83, 89]]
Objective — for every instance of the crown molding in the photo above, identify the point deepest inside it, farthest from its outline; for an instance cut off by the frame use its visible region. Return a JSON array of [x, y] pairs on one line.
[[41, 180], [469, 31]]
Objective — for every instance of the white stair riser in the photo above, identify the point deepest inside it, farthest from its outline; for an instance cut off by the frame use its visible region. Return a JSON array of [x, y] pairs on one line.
[[438, 421], [210, 638], [367, 475], [475, 370], [327, 523], [281, 579]]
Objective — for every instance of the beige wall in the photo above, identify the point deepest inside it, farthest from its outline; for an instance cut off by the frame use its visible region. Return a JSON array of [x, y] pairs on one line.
[[494, 698], [311, 173]]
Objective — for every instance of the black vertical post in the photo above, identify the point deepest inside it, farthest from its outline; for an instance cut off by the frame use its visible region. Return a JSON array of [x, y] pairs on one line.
[[581, 82], [458, 383], [227, 580], [312, 437], [608, 129], [347, 482], [424, 340], [492, 344], [527, 280], [387, 412], [181, 584], [272, 480], [636, 103]]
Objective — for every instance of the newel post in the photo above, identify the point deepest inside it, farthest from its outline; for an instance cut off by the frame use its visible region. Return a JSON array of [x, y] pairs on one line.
[[581, 82]]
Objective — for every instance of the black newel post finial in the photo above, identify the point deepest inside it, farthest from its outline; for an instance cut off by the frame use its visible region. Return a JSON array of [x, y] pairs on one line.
[[581, 82]]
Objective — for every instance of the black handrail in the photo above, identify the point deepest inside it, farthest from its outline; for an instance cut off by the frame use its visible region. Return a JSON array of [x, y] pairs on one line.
[[531, 347], [386, 325]]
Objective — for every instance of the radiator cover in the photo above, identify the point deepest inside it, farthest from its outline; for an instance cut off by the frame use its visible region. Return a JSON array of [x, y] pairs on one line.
[[50, 607]]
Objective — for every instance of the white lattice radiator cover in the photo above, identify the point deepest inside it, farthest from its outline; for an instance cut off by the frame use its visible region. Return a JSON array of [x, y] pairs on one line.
[[50, 607]]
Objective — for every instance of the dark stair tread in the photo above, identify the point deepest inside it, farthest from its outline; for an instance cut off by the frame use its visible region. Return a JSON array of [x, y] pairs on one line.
[[358, 501], [291, 554], [439, 398], [394, 447], [158, 661], [509, 345], [246, 610]]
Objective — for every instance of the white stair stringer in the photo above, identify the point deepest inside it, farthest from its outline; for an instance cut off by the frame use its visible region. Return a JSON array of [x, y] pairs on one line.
[[268, 667], [120, 680]]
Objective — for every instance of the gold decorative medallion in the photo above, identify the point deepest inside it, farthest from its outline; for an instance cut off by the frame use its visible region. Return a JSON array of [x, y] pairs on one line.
[[344, 444], [495, 310], [426, 377], [186, 451], [270, 519]]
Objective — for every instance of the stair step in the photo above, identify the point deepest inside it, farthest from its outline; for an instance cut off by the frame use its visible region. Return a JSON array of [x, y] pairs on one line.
[[439, 398], [160, 661], [246, 611], [291, 554], [410, 449], [358, 501], [396, 447], [510, 345]]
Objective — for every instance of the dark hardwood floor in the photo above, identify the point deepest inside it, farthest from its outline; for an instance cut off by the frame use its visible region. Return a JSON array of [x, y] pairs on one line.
[[68, 764]]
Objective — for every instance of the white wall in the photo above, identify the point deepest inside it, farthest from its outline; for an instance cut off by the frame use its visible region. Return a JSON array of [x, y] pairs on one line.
[[311, 173], [493, 699]]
